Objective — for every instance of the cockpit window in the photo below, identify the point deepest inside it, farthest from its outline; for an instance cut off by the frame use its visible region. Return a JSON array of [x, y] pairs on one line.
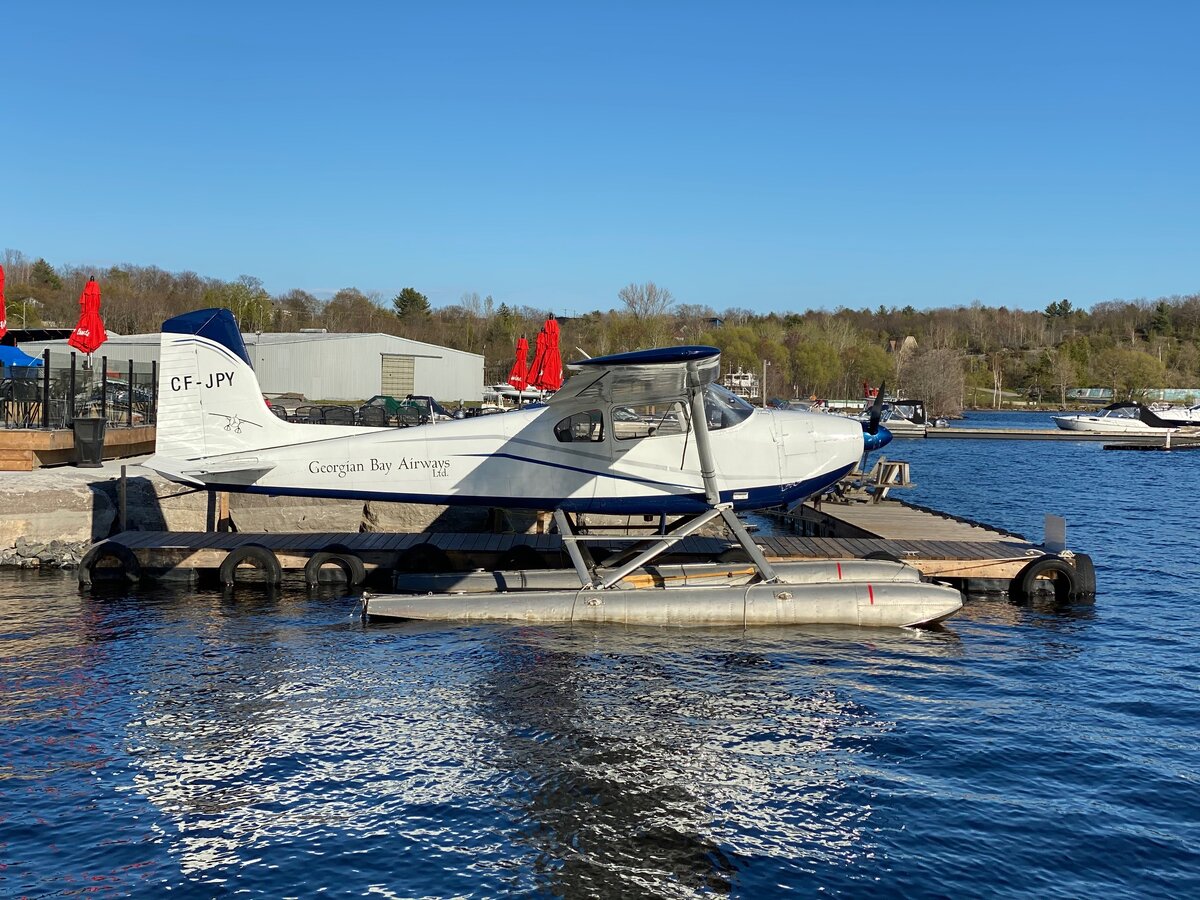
[[583, 426], [723, 408], [648, 420]]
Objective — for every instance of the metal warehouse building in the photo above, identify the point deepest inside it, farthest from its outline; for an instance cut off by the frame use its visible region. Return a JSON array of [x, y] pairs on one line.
[[321, 366]]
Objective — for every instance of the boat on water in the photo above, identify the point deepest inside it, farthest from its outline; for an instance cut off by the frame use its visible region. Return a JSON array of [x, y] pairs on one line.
[[906, 418], [1179, 417], [1119, 418], [514, 395], [741, 384]]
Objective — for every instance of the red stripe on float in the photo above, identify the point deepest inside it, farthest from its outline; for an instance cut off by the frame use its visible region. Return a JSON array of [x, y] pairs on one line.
[[839, 565], [871, 594]]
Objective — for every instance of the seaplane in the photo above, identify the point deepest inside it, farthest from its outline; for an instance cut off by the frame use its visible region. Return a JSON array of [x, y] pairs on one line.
[[648, 432]]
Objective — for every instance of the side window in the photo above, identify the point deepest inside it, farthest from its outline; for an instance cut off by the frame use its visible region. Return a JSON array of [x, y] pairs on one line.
[[648, 420], [583, 426]]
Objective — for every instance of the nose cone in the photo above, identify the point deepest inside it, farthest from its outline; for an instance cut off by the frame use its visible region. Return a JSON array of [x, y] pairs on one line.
[[881, 438]]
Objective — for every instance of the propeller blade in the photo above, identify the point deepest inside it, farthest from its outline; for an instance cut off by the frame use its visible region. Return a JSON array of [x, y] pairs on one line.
[[876, 410]]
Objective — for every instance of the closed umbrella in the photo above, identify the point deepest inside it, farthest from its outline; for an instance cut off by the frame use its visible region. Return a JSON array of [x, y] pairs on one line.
[[551, 376], [3, 314], [89, 334], [534, 375], [517, 376]]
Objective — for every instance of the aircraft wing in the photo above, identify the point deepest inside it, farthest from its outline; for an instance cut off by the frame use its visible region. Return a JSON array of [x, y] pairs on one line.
[[643, 376]]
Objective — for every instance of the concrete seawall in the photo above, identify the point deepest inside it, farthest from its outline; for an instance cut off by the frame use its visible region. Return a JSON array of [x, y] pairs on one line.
[[51, 516]]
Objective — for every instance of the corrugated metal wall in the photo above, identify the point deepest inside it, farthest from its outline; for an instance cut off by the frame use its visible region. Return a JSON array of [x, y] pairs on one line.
[[320, 366]]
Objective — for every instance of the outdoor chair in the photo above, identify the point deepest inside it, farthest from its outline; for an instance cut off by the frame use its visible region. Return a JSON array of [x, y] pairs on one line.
[[372, 416], [339, 415], [315, 415], [26, 401], [306, 414], [280, 412], [407, 416]]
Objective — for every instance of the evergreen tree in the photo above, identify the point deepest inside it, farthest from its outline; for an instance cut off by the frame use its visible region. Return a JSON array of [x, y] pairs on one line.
[[43, 274], [410, 303]]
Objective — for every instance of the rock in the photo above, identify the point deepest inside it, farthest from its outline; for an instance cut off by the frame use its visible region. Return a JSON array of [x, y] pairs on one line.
[[28, 548]]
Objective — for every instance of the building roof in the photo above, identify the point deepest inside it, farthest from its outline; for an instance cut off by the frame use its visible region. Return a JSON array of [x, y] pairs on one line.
[[282, 338]]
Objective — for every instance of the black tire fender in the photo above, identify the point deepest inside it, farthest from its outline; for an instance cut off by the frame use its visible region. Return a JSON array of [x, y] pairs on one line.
[[1063, 578], [130, 568], [883, 555], [1085, 575], [521, 556], [261, 556], [351, 565], [424, 558]]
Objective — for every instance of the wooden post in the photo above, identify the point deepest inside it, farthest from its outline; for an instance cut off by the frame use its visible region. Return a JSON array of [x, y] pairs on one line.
[[224, 522]]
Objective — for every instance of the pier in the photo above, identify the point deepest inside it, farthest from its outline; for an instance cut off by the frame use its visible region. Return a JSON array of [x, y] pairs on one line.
[[969, 555], [1049, 434]]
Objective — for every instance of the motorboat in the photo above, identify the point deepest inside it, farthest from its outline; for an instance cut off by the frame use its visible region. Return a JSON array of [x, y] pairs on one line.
[[1179, 417], [1118, 418], [905, 418], [513, 395], [742, 383]]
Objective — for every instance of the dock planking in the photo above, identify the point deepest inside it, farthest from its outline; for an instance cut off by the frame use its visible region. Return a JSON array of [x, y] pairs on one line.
[[973, 556]]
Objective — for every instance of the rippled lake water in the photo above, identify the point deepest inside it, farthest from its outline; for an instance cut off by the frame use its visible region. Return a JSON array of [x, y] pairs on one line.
[[234, 744]]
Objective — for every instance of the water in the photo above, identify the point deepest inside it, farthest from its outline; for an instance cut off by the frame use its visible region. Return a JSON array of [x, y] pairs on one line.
[[218, 745]]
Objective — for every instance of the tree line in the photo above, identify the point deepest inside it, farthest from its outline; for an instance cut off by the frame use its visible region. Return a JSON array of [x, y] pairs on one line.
[[946, 356]]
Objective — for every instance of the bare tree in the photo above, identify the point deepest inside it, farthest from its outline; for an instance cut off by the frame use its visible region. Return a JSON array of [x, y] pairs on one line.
[[937, 377], [646, 301]]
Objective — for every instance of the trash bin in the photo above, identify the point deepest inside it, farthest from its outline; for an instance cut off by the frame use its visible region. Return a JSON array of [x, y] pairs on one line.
[[89, 442]]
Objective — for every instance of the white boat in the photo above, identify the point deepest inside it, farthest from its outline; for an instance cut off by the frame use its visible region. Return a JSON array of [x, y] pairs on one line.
[[904, 418], [512, 395], [1179, 417], [742, 384], [1117, 418]]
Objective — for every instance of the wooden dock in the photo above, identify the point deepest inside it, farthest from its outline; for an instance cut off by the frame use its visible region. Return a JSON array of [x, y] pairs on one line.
[[1043, 434], [971, 556], [974, 556]]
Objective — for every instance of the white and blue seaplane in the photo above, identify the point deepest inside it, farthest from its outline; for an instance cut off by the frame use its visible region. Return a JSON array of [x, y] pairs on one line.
[[649, 432]]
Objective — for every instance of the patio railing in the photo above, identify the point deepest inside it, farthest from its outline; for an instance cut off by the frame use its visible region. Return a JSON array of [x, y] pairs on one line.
[[123, 393]]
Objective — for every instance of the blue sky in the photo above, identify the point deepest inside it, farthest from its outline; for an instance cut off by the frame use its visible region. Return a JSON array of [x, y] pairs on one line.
[[773, 156]]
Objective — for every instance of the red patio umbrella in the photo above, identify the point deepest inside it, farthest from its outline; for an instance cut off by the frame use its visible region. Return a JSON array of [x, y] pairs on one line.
[[3, 314], [551, 375], [534, 373], [517, 376], [89, 334]]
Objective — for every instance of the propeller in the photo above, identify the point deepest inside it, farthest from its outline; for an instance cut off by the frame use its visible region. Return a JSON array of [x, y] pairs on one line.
[[874, 436], [876, 411]]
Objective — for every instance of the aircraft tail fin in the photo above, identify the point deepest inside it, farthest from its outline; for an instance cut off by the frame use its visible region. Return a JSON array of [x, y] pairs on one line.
[[209, 400]]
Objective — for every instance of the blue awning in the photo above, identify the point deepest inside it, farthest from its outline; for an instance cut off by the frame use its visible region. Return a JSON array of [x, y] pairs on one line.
[[11, 357]]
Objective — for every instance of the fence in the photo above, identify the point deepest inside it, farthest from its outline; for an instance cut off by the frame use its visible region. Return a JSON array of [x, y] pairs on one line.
[[121, 392]]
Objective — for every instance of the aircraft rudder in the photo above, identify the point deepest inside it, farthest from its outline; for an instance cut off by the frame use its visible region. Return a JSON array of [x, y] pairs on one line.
[[210, 401]]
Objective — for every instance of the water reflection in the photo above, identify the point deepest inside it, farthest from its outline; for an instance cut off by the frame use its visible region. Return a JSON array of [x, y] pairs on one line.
[[655, 761], [266, 743]]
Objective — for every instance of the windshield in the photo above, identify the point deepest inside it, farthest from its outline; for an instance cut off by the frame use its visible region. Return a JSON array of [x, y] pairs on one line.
[[723, 408]]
